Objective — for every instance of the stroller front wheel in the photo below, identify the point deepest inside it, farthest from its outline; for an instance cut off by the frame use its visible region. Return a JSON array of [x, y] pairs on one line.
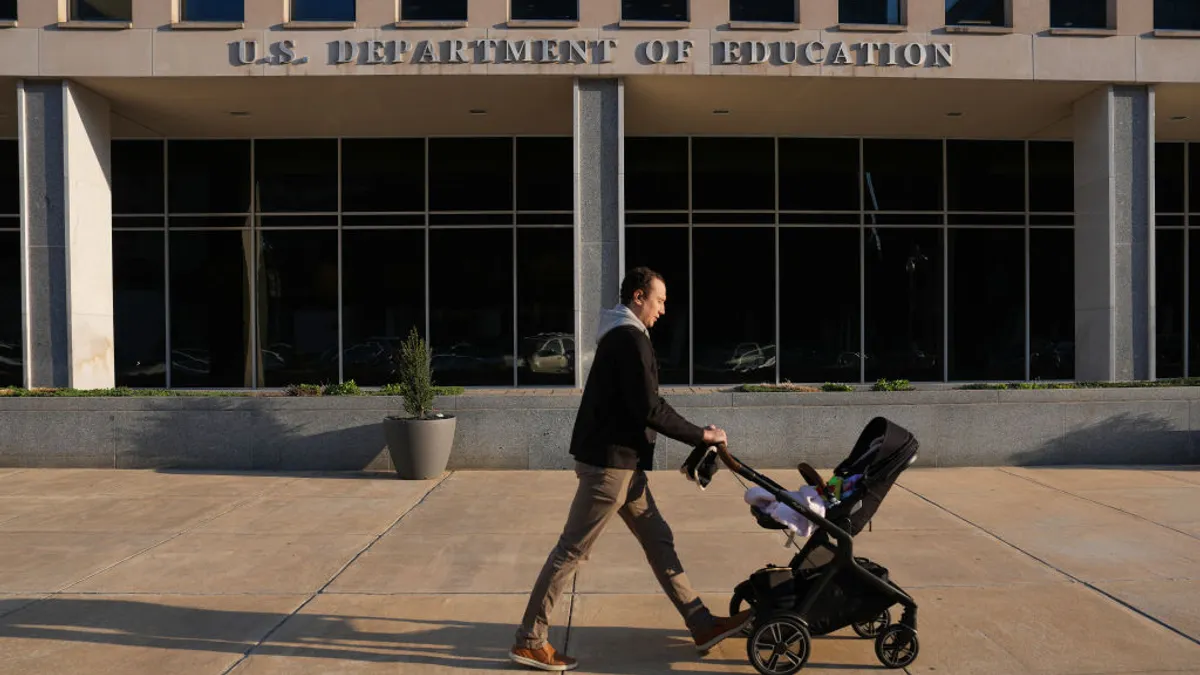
[[897, 646], [779, 645], [735, 606], [872, 628]]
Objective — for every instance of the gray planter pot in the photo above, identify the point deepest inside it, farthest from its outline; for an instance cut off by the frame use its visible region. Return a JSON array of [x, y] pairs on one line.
[[420, 449]]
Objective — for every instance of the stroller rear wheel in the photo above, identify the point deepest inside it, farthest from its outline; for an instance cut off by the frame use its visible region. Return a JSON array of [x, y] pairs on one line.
[[897, 646], [779, 645], [872, 628]]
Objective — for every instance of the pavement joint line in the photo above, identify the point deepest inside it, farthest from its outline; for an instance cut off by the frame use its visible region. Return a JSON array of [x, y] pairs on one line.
[[1107, 506], [320, 591], [1061, 571]]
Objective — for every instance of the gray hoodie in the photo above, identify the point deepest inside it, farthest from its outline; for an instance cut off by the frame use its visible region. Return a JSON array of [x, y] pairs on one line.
[[615, 318]]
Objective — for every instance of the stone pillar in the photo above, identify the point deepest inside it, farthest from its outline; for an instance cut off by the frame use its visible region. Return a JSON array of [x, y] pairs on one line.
[[66, 227], [1114, 234], [599, 112]]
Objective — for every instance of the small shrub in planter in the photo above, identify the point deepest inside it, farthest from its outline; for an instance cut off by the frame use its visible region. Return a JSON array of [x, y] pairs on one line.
[[836, 386], [420, 443], [349, 388], [892, 385]]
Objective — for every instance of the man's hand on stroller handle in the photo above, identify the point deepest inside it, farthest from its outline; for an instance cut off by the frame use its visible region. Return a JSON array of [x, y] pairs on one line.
[[714, 435]]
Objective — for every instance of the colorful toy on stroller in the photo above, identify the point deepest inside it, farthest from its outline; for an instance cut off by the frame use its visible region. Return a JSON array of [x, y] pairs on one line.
[[825, 587]]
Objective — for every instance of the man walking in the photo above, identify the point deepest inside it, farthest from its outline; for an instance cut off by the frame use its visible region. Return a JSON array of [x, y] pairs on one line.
[[616, 427]]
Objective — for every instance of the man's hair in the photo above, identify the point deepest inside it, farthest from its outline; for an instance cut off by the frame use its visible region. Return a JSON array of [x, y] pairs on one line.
[[638, 279]]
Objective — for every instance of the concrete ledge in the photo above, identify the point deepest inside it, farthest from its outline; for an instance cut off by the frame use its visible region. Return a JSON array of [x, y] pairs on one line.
[[532, 431]]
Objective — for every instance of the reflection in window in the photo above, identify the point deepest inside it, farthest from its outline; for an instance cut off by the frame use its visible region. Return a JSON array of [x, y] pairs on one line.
[[1170, 254], [471, 310], [733, 173], [818, 174], [985, 175], [433, 10], [975, 13], [323, 10], [209, 176], [11, 359], [470, 174], [987, 304], [819, 305], [8, 10], [656, 174], [1051, 177], [665, 250], [654, 10], [1079, 13], [383, 174], [1176, 15], [1052, 304], [137, 177], [383, 297], [869, 11], [1169, 177], [297, 307], [545, 10], [902, 175], [765, 11], [296, 176], [210, 307], [213, 10], [740, 346], [545, 306], [102, 10], [546, 177], [139, 308], [903, 269]]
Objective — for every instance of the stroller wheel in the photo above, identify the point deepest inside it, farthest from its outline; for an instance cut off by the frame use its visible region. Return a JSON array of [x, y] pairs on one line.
[[735, 607], [897, 646], [872, 628], [779, 645]]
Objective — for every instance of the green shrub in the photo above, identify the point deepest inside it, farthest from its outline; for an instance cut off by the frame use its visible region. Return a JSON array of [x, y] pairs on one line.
[[836, 386], [304, 390], [884, 384], [349, 388]]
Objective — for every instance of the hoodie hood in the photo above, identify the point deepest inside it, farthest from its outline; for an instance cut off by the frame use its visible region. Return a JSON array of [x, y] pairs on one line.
[[615, 318]]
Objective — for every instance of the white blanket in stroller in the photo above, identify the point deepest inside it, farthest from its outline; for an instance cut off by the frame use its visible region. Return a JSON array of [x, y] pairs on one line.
[[786, 515]]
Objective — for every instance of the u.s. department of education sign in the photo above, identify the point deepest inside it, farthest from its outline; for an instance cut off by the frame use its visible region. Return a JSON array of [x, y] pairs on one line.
[[592, 52]]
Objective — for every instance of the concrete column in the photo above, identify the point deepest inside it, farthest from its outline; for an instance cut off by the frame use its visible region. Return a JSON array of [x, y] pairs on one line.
[[599, 113], [1114, 234], [66, 228]]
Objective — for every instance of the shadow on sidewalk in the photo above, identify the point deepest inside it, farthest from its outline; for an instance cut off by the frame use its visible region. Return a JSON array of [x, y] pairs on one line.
[[324, 638]]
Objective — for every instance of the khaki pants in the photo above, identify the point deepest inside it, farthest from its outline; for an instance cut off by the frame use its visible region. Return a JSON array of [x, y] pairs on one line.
[[603, 493]]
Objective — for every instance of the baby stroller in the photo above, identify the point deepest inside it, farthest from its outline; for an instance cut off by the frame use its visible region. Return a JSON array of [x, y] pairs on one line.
[[825, 587]]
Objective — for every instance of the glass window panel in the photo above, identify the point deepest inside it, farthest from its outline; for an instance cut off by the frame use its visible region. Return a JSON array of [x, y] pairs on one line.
[[656, 219], [818, 174], [1051, 176], [470, 174], [138, 222], [985, 175], [733, 218], [323, 10], [297, 307], [210, 309], [1193, 282], [656, 174], [383, 297], [869, 11], [665, 250], [383, 174], [733, 173], [137, 177], [1003, 220], [1079, 13], [545, 306], [873, 218], [904, 304], [296, 175], [555, 219], [139, 309], [548, 10], [297, 221], [8, 10], [1052, 304], [545, 174], [471, 219], [10, 180], [11, 353], [767, 11], [208, 176], [1193, 162], [1064, 220], [740, 345], [1170, 255], [471, 307], [225, 222], [213, 10], [987, 304], [902, 175], [102, 10], [975, 13], [1169, 183], [412, 220], [433, 10], [10, 223], [818, 219], [1176, 15], [654, 10], [819, 313]]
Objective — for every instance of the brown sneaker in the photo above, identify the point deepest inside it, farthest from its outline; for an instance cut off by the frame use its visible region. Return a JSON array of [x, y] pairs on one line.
[[542, 659], [719, 629]]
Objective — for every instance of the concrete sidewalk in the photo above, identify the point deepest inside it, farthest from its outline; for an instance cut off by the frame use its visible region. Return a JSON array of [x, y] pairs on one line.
[[1015, 570]]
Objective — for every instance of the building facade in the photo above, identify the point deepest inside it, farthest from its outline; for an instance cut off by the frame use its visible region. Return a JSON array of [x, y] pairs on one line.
[[258, 193]]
